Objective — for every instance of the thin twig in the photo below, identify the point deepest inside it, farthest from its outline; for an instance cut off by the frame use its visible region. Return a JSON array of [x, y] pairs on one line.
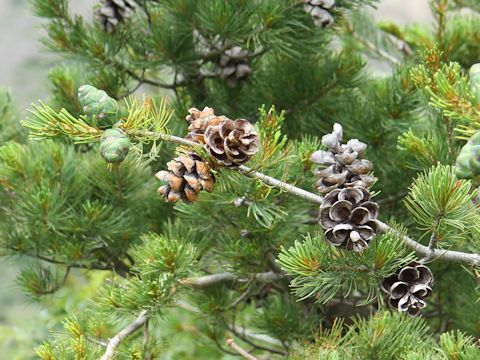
[[372, 46], [241, 351], [124, 333], [222, 278]]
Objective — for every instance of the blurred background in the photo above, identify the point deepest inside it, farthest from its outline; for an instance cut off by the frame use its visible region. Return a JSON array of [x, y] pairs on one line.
[[23, 69]]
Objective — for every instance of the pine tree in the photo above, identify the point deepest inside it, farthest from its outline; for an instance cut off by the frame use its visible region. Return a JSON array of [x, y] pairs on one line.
[[357, 243]]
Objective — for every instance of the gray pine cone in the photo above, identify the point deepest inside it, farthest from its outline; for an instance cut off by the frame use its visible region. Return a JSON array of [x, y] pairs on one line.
[[348, 216], [234, 66], [408, 289], [340, 165], [113, 12], [320, 11]]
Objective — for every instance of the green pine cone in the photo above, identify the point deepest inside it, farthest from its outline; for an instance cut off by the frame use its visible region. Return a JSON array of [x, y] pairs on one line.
[[114, 145], [474, 160], [474, 73], [101, 109]]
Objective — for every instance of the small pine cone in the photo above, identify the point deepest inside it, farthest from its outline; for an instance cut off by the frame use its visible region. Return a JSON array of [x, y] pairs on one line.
[[187, 175], [113, 12], [348, 216], [114, 145], [199, 121], [234, 66], [320, 11], [232, 142], [340, 166], [408, 289]]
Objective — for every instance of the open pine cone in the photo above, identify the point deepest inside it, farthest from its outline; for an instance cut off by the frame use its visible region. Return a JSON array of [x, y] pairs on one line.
[[340, 166], [320, 11], [232, 142], [348, 216], [199, 120], [234, 66], [187, 175], [113, 12], [409, 288]]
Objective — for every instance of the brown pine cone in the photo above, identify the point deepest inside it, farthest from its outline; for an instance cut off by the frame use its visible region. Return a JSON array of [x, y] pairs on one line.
[[348, 216], [232, 142], [199, 121], [340, 166], [187, 175], [409, 288], [113, 12], [320, 11]]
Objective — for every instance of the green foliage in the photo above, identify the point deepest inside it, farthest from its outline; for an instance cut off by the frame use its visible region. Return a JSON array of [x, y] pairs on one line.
[[62, 204], [442, 204], [322, 271]]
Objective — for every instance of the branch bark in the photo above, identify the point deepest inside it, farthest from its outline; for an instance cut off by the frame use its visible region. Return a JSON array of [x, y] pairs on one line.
[[114, 342], [222, 278]]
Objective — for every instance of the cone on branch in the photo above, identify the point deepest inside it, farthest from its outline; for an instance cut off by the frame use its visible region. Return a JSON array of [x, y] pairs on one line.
[[348, 216], [340, 165], [199, 120], [467, 165], [186, 176], [409, 287], [113, 12], [100, 109], [114, 145], [234, 66], [232, 142], [320, 11]]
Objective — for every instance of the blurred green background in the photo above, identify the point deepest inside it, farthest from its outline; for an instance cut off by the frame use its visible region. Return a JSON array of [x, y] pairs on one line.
[[23, 68]]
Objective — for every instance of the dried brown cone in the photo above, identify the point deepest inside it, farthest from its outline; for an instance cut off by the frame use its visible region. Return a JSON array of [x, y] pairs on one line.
[[409, 287], [232, 142], [348, 216], [320, 11], [113, 12], [187, 175], [340, 165], [199, 120]]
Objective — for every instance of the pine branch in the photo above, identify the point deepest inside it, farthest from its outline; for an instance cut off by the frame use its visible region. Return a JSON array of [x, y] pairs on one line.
[[223, 278], [447, 255], [245, 354], [114, 342]]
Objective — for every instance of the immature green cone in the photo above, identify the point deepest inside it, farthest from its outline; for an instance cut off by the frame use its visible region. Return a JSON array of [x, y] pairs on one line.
[[114, 145], [467, 165], [474, 73], [101, 109]]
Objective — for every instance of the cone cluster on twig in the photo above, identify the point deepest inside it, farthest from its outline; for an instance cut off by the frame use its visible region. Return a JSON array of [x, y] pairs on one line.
[[187, 175], [228, 142], [320, 11], [347, 213], [113, 12], [409, 287]]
